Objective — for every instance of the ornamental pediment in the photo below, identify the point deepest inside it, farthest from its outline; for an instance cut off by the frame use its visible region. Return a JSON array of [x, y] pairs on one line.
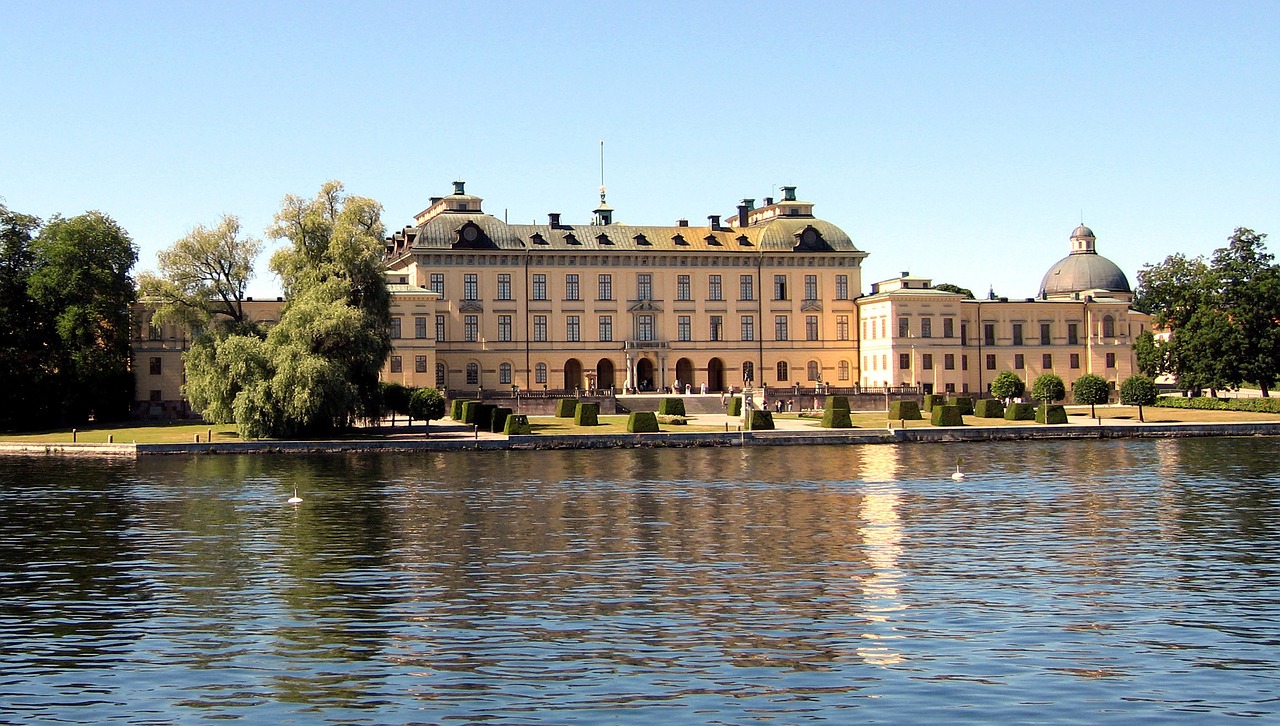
[[471, 306], [644, 306]]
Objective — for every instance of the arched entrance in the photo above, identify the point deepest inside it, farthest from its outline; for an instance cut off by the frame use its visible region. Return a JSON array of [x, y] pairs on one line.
[[644, 374], [684, 373], [604, 374], [715, 375], [572, 374]]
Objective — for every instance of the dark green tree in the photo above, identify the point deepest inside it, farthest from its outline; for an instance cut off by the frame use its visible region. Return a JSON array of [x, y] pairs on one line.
[[948, 287], [1248, 292], [1091, 389], [1149, 354], [395, 399], [1007, 386], [427, 404], [1138, 390], [25, 329], [1048, 387]]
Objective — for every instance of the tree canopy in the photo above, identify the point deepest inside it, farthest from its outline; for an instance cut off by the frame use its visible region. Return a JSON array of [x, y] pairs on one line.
[[203, 277], [25, 332], [948, 287], [1138, 390], [1092, 389], [1007, 386], [1048, 387]]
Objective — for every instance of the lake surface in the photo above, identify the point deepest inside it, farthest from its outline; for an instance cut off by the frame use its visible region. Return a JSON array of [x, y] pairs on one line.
[[1061, 582]]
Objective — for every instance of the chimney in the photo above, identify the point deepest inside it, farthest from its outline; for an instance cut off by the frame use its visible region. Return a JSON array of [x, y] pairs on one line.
[[788, 194], [714, 219], [742, 213], [768, 201], [554, 218], [682, 223], [459, 185], [905, 273]]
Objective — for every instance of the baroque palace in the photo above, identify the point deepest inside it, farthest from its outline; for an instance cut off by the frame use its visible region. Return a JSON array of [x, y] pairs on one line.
[[767, 296]]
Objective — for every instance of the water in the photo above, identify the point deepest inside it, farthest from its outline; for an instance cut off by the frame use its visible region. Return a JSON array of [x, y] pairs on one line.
[[1062, 582]]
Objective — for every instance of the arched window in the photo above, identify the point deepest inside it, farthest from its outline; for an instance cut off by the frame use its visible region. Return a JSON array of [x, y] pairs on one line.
[[504, 374], [843, 370], [1108, 327], [748, 372], [473, 374], [782, 370], [540, 373], [812, 371], [440, 371]]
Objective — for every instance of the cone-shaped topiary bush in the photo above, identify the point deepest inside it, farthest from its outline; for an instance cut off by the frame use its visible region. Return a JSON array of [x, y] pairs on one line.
[[964, 403], [946, 416], [904, 410], [642, 422], [587, 414], [498, 421], [516, 424], [988, 408], [760, 421], [566, 407], [671, 407], [1020, 412], [1051, 414]]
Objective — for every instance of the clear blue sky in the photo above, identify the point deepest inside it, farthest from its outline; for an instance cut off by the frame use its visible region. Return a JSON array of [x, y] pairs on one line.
[[961, 141]]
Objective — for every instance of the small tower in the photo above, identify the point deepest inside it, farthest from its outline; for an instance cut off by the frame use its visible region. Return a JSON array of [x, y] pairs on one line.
[[603, 213]]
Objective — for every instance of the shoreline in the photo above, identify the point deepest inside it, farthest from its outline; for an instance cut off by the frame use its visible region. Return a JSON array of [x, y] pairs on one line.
[[665, 439]]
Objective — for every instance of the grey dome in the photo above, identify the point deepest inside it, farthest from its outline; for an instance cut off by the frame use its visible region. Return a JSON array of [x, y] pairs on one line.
[[1083, 271]]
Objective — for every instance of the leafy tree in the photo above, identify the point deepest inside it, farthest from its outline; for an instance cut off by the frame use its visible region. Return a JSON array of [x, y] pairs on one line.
[[1149, 354], [1248, 292], [204, 277], [25, 328], [948, 287], [395, 398], [1091, 389], [1008, 386], [1138, 390], [82, 279], [1048, 387], [427, 404]]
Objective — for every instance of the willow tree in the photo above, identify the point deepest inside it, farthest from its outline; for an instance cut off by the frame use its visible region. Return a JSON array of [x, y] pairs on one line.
[[203, 278]]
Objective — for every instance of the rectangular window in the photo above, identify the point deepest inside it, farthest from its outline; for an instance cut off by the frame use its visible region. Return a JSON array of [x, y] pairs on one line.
[[1046, 361], [714, 291], [964, 334], [1075, 360], [420, 364], [540, 373], [948, 327], [949, 361], [470, 286], [644, 286], [540, 328], [504, 374], [1019, 361], [539, 287], [155, 395], [842, 287], [683, 290], [1017, 333], [439, 328], [842, 327], [746, 287], [1045, 338], [504, 286], [1073, 334], [572, 328], [926, 327], [440, 372], [420, 327], [604, 285], [504, 328], [156, 366], [780, 327], [571, 287], [1111, 360], [904, 361], [748, 327], [437, 283], [396, 364], [991, 362], [644, 327], [926, 361], [964, 362], [810, 287], [988, 334], [606, 328], [904, 327], [471, 328], [717, 327], [395, 328], [811, 327], [779, 287], [684, 330], [883, 324]]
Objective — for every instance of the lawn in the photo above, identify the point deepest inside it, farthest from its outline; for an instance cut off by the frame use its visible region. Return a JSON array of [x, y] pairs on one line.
[[609, 424], [129, 433]]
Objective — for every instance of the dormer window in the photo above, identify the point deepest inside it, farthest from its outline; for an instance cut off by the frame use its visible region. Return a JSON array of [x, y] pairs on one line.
[[603, 239], [641, 240], [679, 240], [462, 206], [569, 239], [712, 240], [742, 240], [538, 239]]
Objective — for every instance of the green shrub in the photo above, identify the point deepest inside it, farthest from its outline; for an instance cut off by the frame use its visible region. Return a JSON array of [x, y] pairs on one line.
[[1008, 385], [587, 414], [1205, 403], [642, 422], [734, 406], [1051, 414], [904, 411], [931, 400], [426, 404], [988, 408], [671, 407], [673, 420], [1020, 412], [964, 403], [484, 415], [455, 412], [566, 407], [498, 421], [946, 416], [760, 421], [836, 418], [840, 403], [469, 409], [516, 424]]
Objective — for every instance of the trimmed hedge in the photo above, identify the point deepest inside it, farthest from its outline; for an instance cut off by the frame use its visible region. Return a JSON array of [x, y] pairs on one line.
[[455, 410], [988, 408], [904, 411], [642, 422], [469, 411], [484, 414], [566, 407], [1205, 403], [946, 416], [734, 406], [840, 403], [587, 414], [933, 399], [1051, 414], [498, 421], [760, 421], [836, 418], [1020, 412], [516, 424], [671, 407], [964, 403]]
